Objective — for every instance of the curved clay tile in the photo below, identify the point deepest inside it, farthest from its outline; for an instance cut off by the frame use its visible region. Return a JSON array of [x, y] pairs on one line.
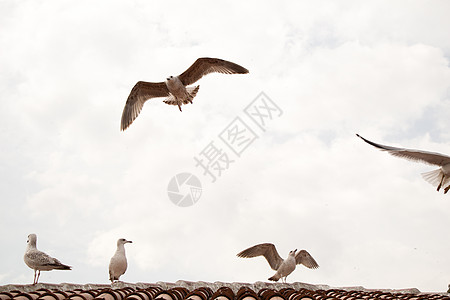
[[51, 296], [287, 292], [246, 293], [153, 291], [91, 294], [179, 292], [6, 295], [62, 295], [78, 297], [109, 294], [203, 293], [165, 295], [223, 293], [271, 294], [25, 296], [124, 292], [140, 295]]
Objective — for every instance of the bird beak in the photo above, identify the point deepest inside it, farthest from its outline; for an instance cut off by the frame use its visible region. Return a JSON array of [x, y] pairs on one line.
[[128, 241], [168, 78], [295, 250]]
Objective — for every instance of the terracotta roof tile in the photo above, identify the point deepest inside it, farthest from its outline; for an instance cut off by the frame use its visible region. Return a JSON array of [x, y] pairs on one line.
[[183, 290]]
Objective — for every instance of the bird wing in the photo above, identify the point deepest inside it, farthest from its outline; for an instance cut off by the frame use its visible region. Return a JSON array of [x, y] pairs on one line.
[[206, 65], [267, 250], [141, 92], [41, 259], [304, 258], [431, 158]]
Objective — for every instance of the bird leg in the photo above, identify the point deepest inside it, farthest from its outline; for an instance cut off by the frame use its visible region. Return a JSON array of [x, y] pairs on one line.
[[179, 103], [34, 278], [440, 183], [39, 274]]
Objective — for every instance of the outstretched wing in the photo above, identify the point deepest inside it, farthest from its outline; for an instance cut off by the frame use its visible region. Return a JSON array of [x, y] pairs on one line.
[[267, 250], [206, 65], [141, 92], [431, 158], [304, 258]]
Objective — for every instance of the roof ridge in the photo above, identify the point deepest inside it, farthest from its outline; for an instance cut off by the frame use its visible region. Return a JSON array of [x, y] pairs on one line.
[[193, 285]]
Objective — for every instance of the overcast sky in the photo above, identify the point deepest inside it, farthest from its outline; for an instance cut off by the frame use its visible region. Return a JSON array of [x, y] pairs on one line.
[[333, 69]]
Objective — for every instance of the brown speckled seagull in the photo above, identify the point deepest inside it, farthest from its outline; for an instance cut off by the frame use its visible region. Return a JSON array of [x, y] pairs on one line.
[[40, 261], [175, 88], [439, 177], [283, 267]]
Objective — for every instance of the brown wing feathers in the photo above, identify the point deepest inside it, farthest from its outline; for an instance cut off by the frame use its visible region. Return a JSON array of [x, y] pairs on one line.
[[267, 250], [141, 92], [206, 65]]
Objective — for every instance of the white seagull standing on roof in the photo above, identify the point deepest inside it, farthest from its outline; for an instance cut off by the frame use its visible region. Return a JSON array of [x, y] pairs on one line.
[[40, 261], [439, 177], [175, 88], [283, 267], [118, 264]]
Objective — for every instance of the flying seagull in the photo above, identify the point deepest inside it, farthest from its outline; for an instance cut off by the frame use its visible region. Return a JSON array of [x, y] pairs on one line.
[[175, 88], [40, 261], [118, 264], [439, 177], [283, 267]]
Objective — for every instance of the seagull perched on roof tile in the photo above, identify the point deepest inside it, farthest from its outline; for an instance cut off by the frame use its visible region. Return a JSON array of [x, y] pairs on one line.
[[283, 267], [118, 264], [40, 261], [439, 177], [175, 88]]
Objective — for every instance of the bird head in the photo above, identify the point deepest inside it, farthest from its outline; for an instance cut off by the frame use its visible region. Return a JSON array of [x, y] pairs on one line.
[[122, 242], [292, 253], [169, 78], [32, 239]]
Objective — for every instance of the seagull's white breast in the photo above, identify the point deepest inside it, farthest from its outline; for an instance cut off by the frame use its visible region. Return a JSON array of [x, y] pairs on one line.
[[287, 267], [176, 87], [118, 264]]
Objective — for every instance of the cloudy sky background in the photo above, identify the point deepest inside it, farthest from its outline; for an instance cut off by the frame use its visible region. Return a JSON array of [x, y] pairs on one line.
[[380, 69]]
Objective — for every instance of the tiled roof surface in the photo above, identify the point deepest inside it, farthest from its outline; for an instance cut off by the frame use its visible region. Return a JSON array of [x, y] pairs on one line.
[[182, 290]]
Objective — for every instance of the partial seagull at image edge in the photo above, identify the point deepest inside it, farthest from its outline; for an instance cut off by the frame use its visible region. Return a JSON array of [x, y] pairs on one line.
[[175, 88], [439, 178]]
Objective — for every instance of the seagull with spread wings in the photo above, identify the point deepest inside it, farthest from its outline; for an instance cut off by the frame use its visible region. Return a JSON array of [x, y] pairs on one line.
[[175, 88], [439, 177], [283, 267]]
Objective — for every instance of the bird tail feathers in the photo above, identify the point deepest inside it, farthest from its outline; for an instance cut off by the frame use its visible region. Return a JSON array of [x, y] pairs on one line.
[[62, 267], [434, 177], [275, 277], [191, 93]]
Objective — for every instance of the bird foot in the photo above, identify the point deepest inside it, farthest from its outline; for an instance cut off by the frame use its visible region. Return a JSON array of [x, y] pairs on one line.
[[446, 189]]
